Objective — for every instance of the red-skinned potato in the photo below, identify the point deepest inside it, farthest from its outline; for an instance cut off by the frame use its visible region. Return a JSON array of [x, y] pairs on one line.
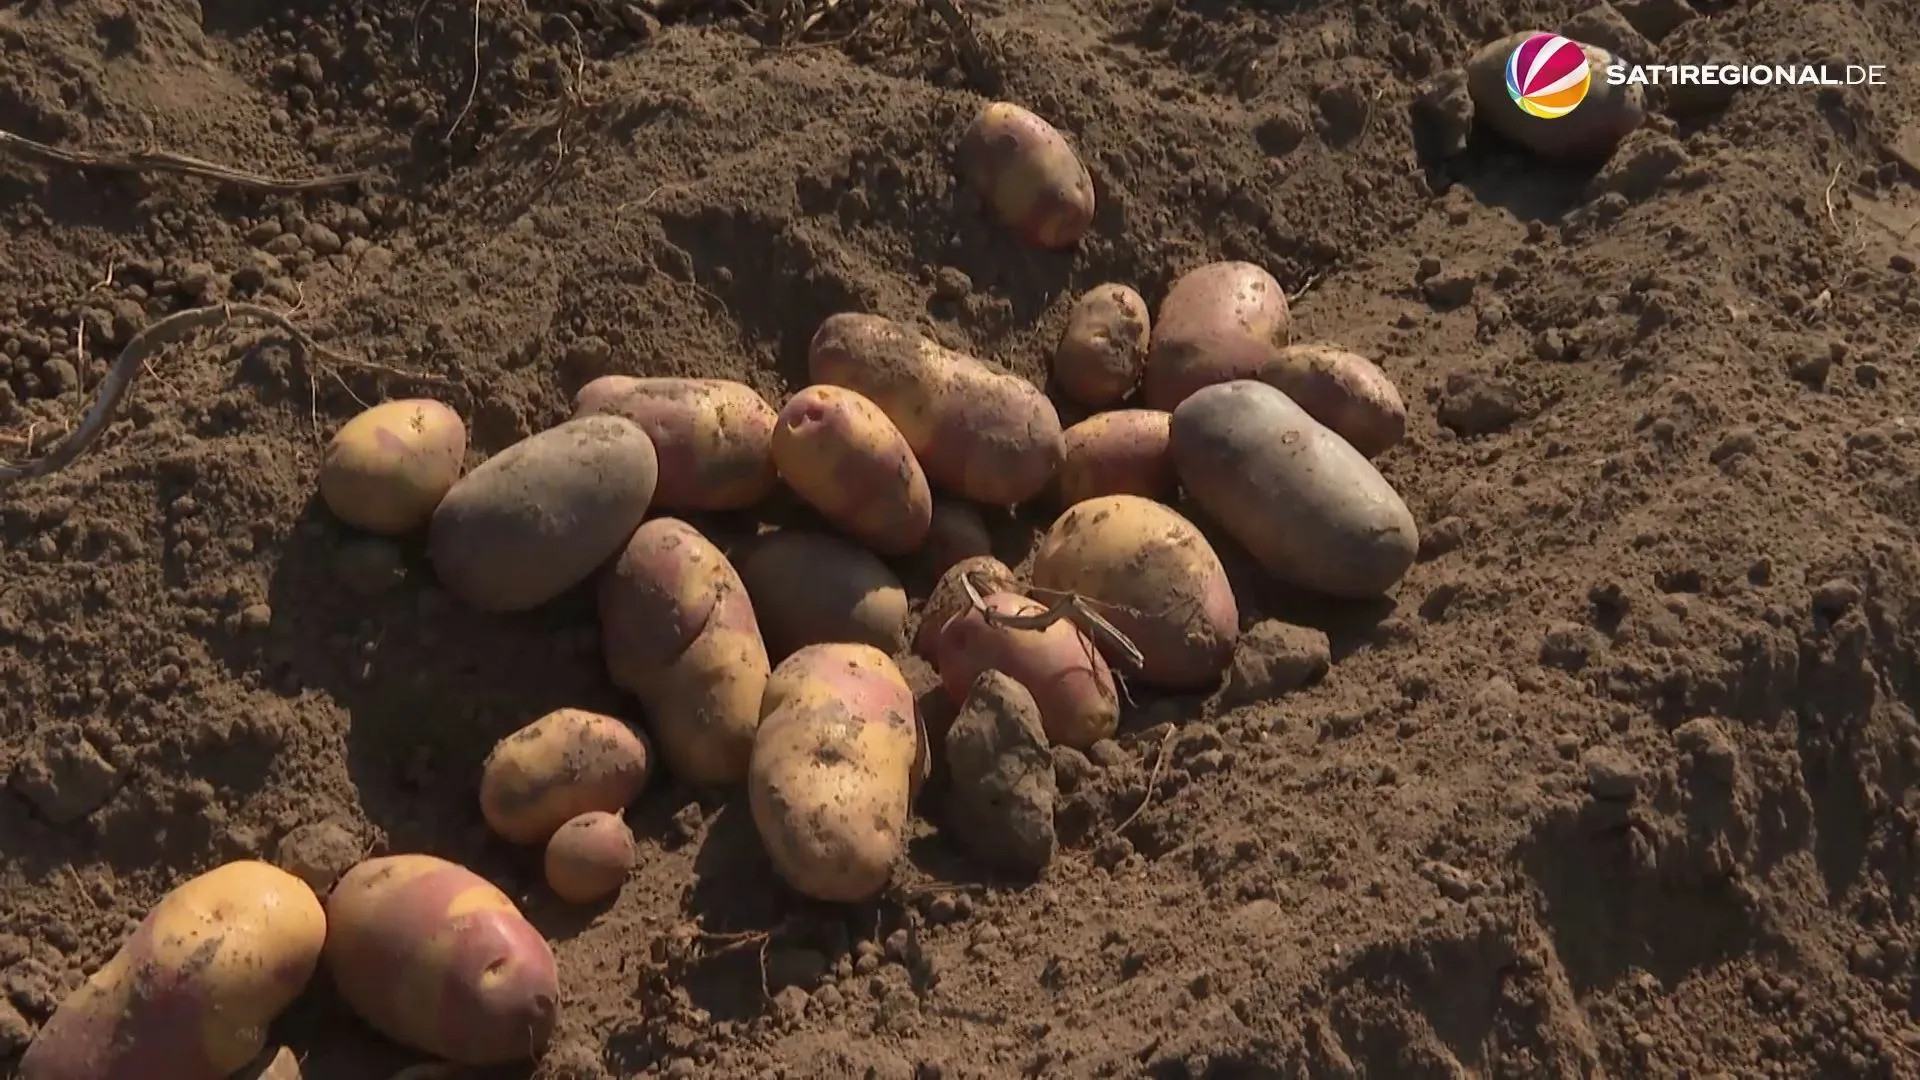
[[1219, 322], [841, 454], [564, 764], [980, 433], [809, 588], [949, 598], [1059, 665], [190, 994], [1103, 351], [957, 532], [714, 437], [588, 858], [386, 469], [1028, 175], [679, 632], [1591, 132], [1154, 577], [1345, 391], [434, 957], [1117, 453]]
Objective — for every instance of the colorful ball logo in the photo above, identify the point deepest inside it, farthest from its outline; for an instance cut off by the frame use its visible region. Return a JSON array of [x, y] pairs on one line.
[[1547, 76]]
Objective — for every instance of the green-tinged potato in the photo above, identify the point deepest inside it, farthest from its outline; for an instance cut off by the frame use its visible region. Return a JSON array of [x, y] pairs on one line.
[[679, 633], [1308, 506], [589, 857], [833, 770], [1117, 453], [957, 532], [539, 517], [562, 765], [1596, 123], [1059, 665], [1028, 175], [1222, 321], [190, 994], [1103, 351], [841, 454], [1152, 575], [387, 468], [949, 598], [1345, 391], [979, 433], [809, 589], [714, 437], [434, 957]]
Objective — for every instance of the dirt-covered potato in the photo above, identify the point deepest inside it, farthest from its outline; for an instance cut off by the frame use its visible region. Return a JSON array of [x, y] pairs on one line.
[[1308, 506], [1345, 391], [841, 454], [190, 994], [832, 771], [980, 433], [434, 957], [1059, 665], [588, 858], [680, 634], [387, 468], [957, 532], [1117, 453], [1565, 110], [1028, 175], [1219, 322], [809, 589], [539, 517], [1103, 351], [949, 598], [714, 437], [562, 765], [1153, 576]]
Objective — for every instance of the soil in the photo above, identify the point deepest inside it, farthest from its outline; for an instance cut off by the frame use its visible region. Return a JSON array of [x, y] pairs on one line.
[[1622, 782]]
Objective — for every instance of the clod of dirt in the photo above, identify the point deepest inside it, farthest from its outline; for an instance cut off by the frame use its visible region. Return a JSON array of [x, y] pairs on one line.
[[1443, 114], [1478, 404], [1605, 26], [1071, 769], [1275, 658], [64, 777], [369, 565], [1645, 160], [1109, 754], [1655, 19], [1709, 750], [1569, 646], [318, 853], [1002, 776], [803, 968], [1612, 775], [15, 1031]]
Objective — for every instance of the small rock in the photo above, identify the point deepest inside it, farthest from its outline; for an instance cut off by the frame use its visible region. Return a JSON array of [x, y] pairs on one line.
[[950, 283], [63, 776], [59, 377], [318, 853], [1449, 290], [1276, 658], [1478, 404], [1003, 789], [1611, 774], [1811, 370], [369, 565]]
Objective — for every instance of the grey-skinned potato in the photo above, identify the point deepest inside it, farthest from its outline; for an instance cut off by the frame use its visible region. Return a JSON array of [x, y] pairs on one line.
[[811, 588]]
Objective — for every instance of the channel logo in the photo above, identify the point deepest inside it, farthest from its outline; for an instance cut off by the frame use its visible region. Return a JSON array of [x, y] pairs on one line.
[[1548, 76]]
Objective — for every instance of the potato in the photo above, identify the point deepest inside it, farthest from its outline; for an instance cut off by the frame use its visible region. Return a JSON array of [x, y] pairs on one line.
[[434, 957], [1117, 453], [1597, 122], [1222, 321], [841, 454], [1153, 576], [1028, 175], [1344, 391], [679, 633], [387, 468], [832, 770], [979, 433], [957, 532], [714, 437], [949, 598], [1308, 506], [1103, 351], [540, 516], [564, 764], [589, 857], [1059, 665], [190, 994], [809, 589]]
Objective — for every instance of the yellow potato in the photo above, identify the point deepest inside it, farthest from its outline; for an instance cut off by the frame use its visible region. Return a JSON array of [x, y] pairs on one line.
[[714, 437], [1344, 391], [949, 598], [589, 857], [1219, 322], [1029, 176], [1103, 351], [562, 765], [1117, 453], [388, 468], [841, 454]]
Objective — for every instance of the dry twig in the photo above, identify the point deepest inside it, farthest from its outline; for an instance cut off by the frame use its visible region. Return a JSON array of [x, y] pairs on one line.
[[1070, 606], [166, 161], [981, 65]]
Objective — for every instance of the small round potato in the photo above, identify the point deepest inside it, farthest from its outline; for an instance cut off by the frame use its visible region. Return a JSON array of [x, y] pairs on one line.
[[1103, 352], [714, 437], [387, 468], [589, 857], [958, 532], [566, 763], [1059, 665], [949, 598], [1308, 506], [540, 516], [1028, 175], [1591, 132], [1117, 453], [1344, 391], [808, 589], [841, 454], [1222, 321], [1153, 576]]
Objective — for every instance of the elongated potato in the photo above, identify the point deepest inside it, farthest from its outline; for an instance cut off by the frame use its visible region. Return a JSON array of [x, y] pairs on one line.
[[1222, 321], [190, 994], [540, 516], [387, 468], [809, 589], [1103, 351], [434, 957], [1154, 577], [1117, 453], [1059, 665], [679, 633], [841, 454], [1344, 391], [979, 433], [958, 532], [564, 764], [949, 598], [1028, 175], [714, 437], [832, 770], [1563, 123], [1306, 504]]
